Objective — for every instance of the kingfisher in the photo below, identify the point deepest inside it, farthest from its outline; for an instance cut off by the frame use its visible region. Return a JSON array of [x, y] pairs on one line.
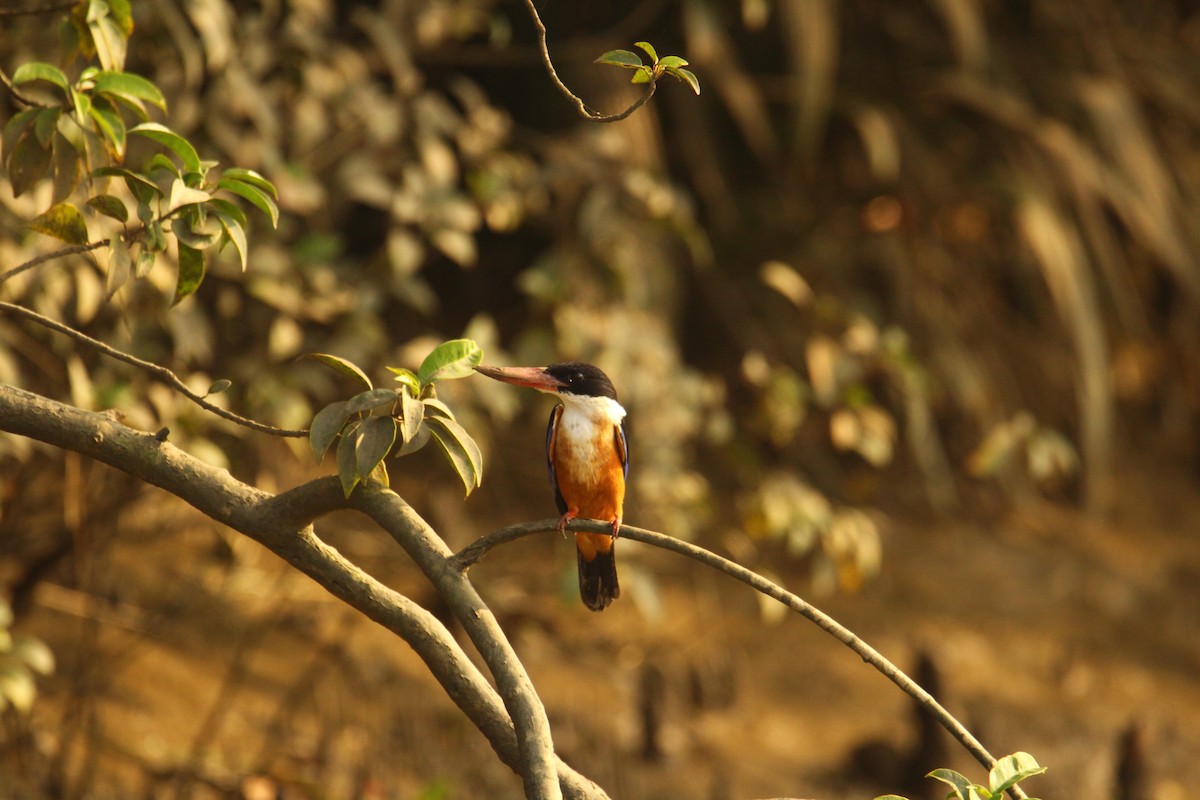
[[588, 460]]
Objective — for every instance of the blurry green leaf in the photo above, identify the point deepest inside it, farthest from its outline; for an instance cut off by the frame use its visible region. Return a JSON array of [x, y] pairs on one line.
[[649, 48], [235, 233], [326, 426], [452, 359], [62, 221], [15, 127], [372, 399], [129, 87], [620, 58], [109, 206], [460, 448], [182, 195], [672, 62], [962, 787], [109, 36], [161, 163], [132, 179], [38, 71], [143, 263], [347, 464], [341, 365], [437, 406], [1010, 770], [229, 209], [380, 474], [641, 76], [36, 654], [191, 272], [375, 438], [416, 443], [890, 797], [67, 168], [257, 197], [17, 687], [412, 414], [120, 266], [218, 386], [46, 125], [253, 178], [172, 141], [27, 164]]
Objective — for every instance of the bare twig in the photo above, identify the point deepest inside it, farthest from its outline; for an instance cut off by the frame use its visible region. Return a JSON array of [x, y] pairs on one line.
[[282, 523], [44, 257], [20, 98], [478, 549], [575, 99], [160, 372]]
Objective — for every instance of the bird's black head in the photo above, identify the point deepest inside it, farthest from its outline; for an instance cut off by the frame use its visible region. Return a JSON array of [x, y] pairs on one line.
[[582, 379]]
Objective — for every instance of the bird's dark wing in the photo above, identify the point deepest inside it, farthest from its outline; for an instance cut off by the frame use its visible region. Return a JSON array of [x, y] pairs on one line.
[[551, 438], [622, 447]]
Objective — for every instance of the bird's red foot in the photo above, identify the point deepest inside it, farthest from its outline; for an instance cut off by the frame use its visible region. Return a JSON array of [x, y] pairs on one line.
[[564, 519], [616, 527]]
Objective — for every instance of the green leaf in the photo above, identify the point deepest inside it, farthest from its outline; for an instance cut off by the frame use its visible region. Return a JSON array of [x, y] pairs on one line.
[[181, 195], [341, 365], [39, 71], [620, 58], [67, 168], [111, 127], [438, 407], [191, 272], [46, 125], [138, 184], [233, 229], [372, 399], [641, 76], [452, 359], [161, 163], [109, 39], [62, 221], [375, 438], [218, 386], [172, 141], [15, 128], [27, 163], [196, 234], [688, 77], [144, 262], [129, 87], [326, 426], [962, 786], [416, 443], [253, 178], [672, 62], [347, 464], [120, 266], [109, 206], [412, 414], [460, 448], [229, 209], [257, 197], [649, 48], [407, 378], [1011, 770], [890, 797]]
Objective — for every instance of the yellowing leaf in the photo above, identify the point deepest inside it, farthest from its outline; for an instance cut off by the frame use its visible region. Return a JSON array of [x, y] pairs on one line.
[[62, 221]]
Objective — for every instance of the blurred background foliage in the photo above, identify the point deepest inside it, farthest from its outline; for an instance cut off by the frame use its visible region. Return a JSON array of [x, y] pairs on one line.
[[935, 254]]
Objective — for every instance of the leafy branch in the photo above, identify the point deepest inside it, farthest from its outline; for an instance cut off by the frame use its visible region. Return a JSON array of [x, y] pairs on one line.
[[646, 74]]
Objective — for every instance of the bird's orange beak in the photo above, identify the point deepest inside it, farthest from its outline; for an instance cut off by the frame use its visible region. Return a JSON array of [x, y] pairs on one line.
[[531, 377]]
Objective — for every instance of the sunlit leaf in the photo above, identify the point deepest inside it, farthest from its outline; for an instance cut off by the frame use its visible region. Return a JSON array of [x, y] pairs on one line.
[[375, 438], [218, 386], [672, 62], [412, 415], [172, 141], [649, 48], [109, 206], [460, 448], [129, 87], [62, 221], [39, 71], [236, 234], [108, 36], [452, 359], [962, 786], [253, 178], [620, 58], [641, 76], [688, 77], [196, 234], [191, 272], [132, 179], [232, 210], [432, 404], [183, 195], [111, 128], [143, 262], [326, 426], [1010, 770], [407, 378], [36, 654], [17, 687], [256, 196], [341, 365]]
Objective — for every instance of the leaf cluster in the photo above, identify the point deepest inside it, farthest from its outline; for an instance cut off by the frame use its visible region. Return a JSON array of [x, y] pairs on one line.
[[649, 73], [382, 420], [1007, 773]]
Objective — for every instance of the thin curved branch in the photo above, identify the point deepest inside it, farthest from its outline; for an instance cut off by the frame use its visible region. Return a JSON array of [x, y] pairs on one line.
[[44, 257], [473, 552], [160, 372], [20, 98], [576, 100], [281, 523]]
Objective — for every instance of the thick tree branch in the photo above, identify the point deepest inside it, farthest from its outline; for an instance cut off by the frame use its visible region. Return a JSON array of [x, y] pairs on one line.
[[478, 549], [160, 372], [576, 100], [281, 523]]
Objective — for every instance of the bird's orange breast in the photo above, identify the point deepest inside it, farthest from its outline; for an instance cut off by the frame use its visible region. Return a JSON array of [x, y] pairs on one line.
[[589, 472]]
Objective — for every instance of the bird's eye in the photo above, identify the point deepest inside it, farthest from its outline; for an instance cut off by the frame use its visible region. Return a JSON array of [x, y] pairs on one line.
[[576, 377]]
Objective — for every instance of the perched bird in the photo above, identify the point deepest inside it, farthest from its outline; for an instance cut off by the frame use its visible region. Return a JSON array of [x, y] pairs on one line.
[[588, 460]]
